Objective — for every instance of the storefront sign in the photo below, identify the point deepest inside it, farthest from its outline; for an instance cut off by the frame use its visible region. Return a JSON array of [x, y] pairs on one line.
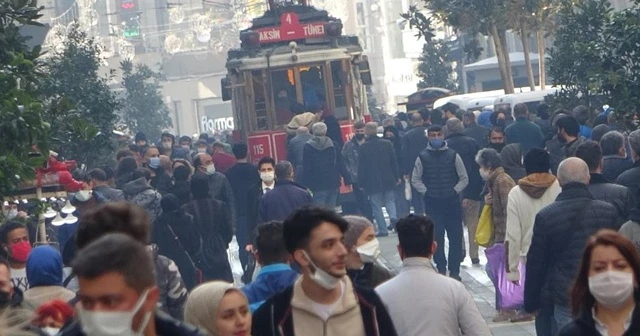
[[218, 124]]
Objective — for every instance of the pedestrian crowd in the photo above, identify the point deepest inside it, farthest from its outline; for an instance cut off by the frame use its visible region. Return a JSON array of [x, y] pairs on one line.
[[550, 202]]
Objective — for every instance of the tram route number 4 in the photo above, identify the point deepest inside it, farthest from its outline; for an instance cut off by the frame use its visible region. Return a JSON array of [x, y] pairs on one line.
[[291, 29]]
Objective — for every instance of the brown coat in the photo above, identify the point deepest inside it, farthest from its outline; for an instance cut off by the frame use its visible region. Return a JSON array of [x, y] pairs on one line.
[[499, 184]]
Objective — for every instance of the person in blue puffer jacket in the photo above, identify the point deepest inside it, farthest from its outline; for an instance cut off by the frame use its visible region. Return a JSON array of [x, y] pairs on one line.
[[276, 275]]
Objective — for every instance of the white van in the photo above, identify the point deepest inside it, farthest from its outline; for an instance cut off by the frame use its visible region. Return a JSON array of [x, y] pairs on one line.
[[532, 99], [475, 100]]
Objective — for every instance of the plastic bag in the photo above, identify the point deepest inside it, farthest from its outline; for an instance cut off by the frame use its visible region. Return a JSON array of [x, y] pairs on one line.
[[508, 294], [234, 260], [485, 227], [407, 189]]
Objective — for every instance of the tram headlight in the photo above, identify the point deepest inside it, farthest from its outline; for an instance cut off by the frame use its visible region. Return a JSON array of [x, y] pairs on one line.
[[250, 38], [333, 28]]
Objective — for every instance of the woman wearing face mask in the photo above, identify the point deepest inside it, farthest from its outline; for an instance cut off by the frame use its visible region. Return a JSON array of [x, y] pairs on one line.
[[220, 309], [498, 186], [605, 292], [364, 249]]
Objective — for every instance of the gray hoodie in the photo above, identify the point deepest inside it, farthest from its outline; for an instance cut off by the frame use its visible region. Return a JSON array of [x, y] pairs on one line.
[[416, 176], [140, 193]]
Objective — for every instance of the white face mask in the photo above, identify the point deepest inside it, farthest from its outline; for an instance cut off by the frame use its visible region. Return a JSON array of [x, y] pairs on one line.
[[166, 145], [202, 150], [370, 251], [322, 278], [50, 331], [118, 323], [268, 176], [611, 289], [11, 214], [484, 174], [211, 169], [83, 195]]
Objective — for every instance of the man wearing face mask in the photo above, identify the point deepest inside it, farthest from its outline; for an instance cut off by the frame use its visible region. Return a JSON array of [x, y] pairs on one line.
[[266, 183], [160, 180], [496, 139], [286, 196], [219, 187], [350, 158], [446, 308], [569, 132], [118, 295], [323, 301], [440, 176], [170, 149], [363, 251], [14, 238]]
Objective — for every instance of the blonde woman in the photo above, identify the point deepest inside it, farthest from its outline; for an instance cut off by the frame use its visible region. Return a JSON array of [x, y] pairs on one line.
[[220, 309]]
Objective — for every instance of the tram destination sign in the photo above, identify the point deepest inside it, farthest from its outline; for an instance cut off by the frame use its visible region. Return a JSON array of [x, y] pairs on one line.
[[291, 29]]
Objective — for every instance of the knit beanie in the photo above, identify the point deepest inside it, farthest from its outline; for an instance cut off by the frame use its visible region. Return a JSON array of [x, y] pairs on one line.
[[357, 225], [141, 136], [537, 161]]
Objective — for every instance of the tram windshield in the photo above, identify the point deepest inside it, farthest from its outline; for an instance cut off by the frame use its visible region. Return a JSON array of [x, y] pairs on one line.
[[280, 93]]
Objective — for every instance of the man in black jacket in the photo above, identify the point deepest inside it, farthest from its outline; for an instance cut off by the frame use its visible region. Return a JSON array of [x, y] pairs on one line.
[[471, 129], [313, 236], [378, 175], [560, 232], [414, 142], [118, 267], [266, 168], [467, 148], [97, 180], [614, 154], [286, 196], [631, 178], [599, 186]]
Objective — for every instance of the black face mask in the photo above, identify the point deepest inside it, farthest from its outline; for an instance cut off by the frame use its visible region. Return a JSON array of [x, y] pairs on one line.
[[359, 136], [5, 299], [497, 146]]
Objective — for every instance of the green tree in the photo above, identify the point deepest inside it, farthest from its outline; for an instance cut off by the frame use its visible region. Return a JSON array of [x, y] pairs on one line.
[[143, 108], [82, 110], [576, 57], [470, 18], [21, 125], [436, 68]]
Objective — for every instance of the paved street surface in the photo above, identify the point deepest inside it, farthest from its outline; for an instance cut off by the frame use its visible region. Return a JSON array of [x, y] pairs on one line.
[[476, 281]]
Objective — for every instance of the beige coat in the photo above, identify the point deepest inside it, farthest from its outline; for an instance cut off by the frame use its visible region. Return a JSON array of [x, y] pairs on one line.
[[346, 319]]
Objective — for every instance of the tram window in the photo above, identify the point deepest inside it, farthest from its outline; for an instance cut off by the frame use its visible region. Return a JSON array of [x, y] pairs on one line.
[[260, 102], [339, 90], [284, 94], [313, 91]]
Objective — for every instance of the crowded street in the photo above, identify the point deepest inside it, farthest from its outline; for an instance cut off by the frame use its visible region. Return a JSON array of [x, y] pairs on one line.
[[319, 168]]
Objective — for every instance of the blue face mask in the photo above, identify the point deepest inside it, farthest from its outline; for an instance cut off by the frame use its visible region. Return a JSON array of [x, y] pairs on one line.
[[436, 143], [154, 162]]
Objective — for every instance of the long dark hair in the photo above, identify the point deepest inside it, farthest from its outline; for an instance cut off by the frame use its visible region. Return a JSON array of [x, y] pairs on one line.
[[581, 297]]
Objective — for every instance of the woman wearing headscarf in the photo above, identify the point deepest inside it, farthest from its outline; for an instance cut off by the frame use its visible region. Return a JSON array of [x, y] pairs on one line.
[[512, 161], [177, 238], [220, 309]]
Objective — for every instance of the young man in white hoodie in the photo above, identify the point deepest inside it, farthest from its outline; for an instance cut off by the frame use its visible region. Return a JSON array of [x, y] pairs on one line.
[[533, 192]]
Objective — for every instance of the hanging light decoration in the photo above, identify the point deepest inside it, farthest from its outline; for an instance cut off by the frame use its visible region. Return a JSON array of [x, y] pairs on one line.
[[68, 208], [50, 213], [172, 44], [89, 18], [204, 36], [70, 219], [176, 15], [126, 50], [58, 220]]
